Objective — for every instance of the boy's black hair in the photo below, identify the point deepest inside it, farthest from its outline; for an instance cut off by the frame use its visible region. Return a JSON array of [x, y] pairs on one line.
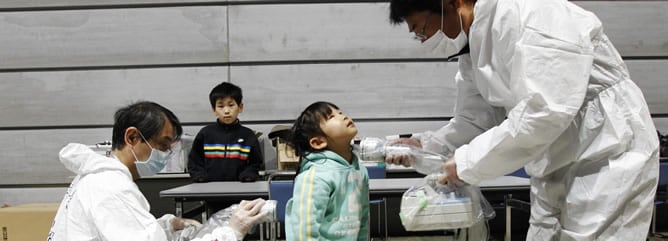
[[225, 89], [399, 9], [148, 117], [307, 126]]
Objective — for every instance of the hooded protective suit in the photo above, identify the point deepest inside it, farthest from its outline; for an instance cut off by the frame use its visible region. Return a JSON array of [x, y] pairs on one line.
[[573, 118], [103, 202]]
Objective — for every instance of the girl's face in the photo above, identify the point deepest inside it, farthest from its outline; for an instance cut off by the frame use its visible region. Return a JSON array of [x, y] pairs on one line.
[[338, 128]]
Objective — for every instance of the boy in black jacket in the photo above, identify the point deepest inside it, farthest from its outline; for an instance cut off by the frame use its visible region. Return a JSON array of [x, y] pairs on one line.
[[225, 150]]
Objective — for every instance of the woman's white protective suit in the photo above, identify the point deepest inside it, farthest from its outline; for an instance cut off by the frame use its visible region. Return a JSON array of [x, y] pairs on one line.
[[543, 87], [103, 202]]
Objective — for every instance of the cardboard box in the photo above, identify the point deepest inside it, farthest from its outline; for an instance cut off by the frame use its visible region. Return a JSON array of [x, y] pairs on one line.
[[27, 222], [285, 156], [285, 153]]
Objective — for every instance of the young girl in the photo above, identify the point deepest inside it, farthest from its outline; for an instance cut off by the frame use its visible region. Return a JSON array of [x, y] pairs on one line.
[[331, 196]]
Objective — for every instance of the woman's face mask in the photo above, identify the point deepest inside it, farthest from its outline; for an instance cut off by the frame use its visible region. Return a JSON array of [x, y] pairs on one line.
[[155, 162], [440, 44]]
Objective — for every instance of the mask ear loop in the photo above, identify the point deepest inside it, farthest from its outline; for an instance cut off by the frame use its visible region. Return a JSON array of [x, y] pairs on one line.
[[461, 23], [442, 5]]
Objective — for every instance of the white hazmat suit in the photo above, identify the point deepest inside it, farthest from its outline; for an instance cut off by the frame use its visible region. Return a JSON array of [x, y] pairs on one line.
[[543, 87], [104, 203]]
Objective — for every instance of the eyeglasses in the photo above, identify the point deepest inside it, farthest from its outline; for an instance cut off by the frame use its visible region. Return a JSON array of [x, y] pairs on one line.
[[421, 36], [167, 150]]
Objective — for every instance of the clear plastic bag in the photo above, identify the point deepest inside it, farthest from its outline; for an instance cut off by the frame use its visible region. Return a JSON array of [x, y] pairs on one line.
[[432, 206], [212, 229]]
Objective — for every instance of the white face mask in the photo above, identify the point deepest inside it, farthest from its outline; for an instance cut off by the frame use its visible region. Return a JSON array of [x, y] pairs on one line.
[[155, 162], [440, 44]]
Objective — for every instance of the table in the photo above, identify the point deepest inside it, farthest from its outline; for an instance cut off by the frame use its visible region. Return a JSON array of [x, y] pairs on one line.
[[252, 190]]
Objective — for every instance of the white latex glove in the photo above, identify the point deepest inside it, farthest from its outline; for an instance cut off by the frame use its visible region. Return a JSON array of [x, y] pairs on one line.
[[177, 223], [245, 216], [172, 224], [450, 176], [403, 159]]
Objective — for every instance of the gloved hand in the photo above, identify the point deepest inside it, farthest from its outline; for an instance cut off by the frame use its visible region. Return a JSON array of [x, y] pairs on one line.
[[172, 224], [177, 223], [450, 177], [404, 159], [245, 216]]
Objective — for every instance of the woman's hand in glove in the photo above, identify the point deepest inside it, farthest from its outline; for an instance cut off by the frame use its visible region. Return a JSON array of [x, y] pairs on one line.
[[246, 215], [177, 223]]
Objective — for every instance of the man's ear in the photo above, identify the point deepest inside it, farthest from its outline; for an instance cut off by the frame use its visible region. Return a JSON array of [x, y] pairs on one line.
[[241, 107], [132, 136], [318, 142]]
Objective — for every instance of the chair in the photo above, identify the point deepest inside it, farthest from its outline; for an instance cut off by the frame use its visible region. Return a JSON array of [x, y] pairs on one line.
[[519, 173], [378, 172], [280, 189], [661, 194], [510, 202]]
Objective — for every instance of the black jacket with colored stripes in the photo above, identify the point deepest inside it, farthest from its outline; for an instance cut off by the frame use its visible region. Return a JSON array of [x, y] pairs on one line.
[[223, 152]]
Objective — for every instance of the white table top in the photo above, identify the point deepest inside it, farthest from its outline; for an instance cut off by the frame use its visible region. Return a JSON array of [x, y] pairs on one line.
[[376, 186]]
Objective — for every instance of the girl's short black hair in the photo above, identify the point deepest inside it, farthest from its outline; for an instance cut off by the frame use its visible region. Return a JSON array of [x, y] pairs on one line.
[[307, 126]]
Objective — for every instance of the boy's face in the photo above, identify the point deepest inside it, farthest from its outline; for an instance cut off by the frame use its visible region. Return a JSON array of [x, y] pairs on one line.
[[339, 128], [227, 110]]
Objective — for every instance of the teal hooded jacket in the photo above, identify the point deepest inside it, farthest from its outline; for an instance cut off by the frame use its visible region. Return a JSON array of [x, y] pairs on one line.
[[330, 200]]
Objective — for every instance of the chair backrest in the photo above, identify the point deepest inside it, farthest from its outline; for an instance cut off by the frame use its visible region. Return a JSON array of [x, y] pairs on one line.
[[376, 172], [663, 173], [281, 191], [519, 173]]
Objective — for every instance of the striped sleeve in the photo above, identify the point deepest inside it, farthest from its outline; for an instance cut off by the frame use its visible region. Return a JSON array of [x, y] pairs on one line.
[[310, 201]]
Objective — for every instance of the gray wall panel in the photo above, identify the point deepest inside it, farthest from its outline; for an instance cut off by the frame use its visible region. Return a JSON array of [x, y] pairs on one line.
[[636, 28], [31, 156], [370, 90], [90, 97], [317, 31], [15, 196], [363, 31], [9, 4], [265, 32], [272, 92], [108, 37], [651, 77], [661, 125]]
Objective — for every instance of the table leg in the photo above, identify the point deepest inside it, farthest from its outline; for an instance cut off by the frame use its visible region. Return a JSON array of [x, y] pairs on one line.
[[179, 208], [508, 217]]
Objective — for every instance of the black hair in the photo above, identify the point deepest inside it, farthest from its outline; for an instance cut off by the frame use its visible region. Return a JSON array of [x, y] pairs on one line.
[[307, 126], [225, 89], [399, 9], [148, 117]]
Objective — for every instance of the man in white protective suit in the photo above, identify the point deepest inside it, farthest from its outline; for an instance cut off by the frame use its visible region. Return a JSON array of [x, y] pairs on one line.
[[541, 86], [104, 203]]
